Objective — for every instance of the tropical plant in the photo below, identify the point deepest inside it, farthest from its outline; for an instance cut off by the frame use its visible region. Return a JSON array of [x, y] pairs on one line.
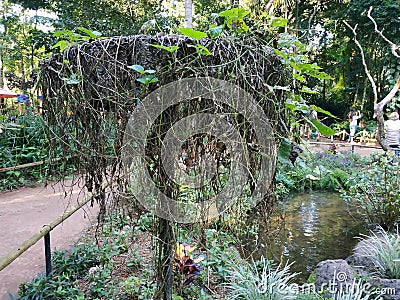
[[187, 264], [317, 171], [374, 191]]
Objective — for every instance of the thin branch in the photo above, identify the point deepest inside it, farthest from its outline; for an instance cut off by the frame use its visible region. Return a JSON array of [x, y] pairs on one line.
[[380, 32], [395, 48], [373, 84]]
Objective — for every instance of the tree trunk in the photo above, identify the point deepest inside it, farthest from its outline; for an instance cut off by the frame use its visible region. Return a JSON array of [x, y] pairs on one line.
[[1, 72], [164, 259], [188, 13]]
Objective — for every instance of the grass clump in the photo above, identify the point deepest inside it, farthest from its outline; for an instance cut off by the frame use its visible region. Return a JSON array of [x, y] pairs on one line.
[[383, 249], [259, 282]]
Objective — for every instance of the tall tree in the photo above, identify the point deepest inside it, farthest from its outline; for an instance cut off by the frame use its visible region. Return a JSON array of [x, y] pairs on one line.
[[188, 13]]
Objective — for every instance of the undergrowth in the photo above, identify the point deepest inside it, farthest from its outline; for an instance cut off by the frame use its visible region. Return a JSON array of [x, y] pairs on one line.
[[317, 171], [23, 140]]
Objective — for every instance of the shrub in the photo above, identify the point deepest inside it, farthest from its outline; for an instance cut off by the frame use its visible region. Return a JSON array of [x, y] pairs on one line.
[[319, 171], [374, 191], [383, 248], [58, 287], [76, 261]]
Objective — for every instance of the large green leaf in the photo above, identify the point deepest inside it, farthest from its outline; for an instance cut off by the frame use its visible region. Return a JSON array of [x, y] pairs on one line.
[[284, 150], [92, 34], [291, 106], [63, 44], [323, 111], [234, 12], [193, 33], [278, 22], [215, 31], [137, 68], [323, 129], [307, 90]]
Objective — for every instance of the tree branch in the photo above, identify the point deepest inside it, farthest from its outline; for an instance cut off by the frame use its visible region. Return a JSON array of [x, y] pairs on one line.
[[378, 107], [395, 48], [371, 80]]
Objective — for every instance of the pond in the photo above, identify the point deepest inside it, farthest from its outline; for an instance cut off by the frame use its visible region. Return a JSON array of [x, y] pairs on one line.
[[316, 226]]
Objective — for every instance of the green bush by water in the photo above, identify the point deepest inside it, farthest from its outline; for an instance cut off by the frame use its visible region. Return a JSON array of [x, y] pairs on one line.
[[374, 191], [317, 171]]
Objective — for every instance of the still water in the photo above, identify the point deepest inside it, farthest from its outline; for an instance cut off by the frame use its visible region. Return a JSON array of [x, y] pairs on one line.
[[314, 227]]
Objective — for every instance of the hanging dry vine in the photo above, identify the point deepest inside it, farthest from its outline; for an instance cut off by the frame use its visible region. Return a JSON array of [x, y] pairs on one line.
[[90, 93]]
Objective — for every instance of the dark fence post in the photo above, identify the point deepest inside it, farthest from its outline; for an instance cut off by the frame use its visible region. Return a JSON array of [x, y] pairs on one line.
[[47, 254]]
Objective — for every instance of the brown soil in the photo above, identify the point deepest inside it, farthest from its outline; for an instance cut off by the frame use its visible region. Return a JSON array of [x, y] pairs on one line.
[[23, 213]]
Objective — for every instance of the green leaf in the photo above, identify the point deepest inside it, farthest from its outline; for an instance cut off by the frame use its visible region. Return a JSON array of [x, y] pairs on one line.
[[63, 33], [284, 150], [190, 32], [234, 12], [137, 68], [322, 75], [215, 31], [291, 106], [299, 77], [167, 48], [147, 79], [307, 90], [323, 111], [142, 80], [201, 49], [279, 22], [243, 27], [154, 79], [307, 68], [62, 45], [235, 16], [323, 129], [281, 54], [92, 34], [149, 71]]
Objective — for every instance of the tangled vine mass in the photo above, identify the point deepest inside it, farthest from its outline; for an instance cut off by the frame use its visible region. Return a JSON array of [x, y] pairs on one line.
[[90, 91]]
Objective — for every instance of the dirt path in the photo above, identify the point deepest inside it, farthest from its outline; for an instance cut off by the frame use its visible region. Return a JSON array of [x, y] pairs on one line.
[[24, 212], [360, 149]]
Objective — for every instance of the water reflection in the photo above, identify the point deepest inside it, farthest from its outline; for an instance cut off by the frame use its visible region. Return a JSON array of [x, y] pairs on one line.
[[317, 226]]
